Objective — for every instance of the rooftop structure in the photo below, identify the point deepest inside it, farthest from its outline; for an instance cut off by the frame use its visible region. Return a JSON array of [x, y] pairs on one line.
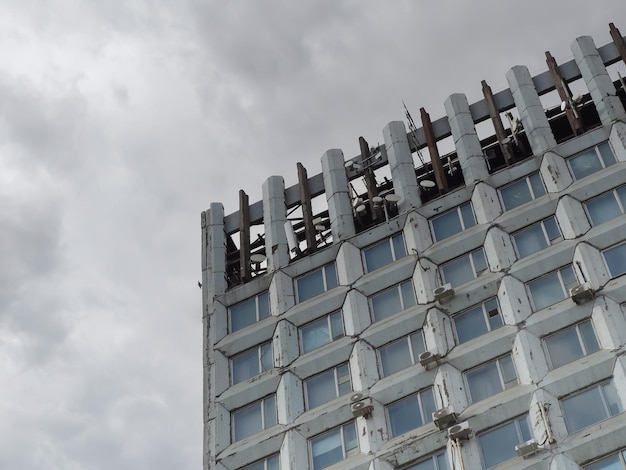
[[410, 310]]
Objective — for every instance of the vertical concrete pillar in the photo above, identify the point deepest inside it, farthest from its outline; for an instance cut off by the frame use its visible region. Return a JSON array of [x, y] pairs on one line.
[[337, 195], [213, 251], [438, 333], [425, 280], [555, 173], [294, 446], [563, 462], [513, 300], [617, 139], [486, 203], [363, 366], [402, 167], [274, 218], [499, 250], [447, 391], [290, 398], [589, 266], [530, 109], [468, 149], [598, 82], [531, 363], [571, 218], [285, 344], [609, 322]]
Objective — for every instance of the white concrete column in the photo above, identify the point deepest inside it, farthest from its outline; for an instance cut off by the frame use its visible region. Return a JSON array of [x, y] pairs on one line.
[[293, 450], [282, 296], [274, 218], [513, 299], [553, 414], [402, 166], [337, 195], [486, 203], [563, 462], [571, 217], [417, 233], [213, 252], [289, 398], [425, 280], [363, 366], [530, 109], [499, 249], [468, 149], [555, 173], [285, 344], [447, 389], [528, 354], [617, 139], [438, 333], [589, 266], [356, 313], [598, 81], [609, 322], [349, 264], [222, 435]]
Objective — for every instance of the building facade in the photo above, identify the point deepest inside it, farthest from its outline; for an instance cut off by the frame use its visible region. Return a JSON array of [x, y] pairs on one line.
[[403, 310]]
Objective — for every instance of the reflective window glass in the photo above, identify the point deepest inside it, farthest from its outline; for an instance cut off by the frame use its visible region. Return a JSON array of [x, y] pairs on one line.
[[438, 461], [401, 353], [321, 331], [493, 377], [411, 412], [571, 343], [464, 268], [591, 161], [270, 463], [384, 252], [254, 418], [590, 406], [498, 445], [248, 312], [522, 191], [333, 446], [606, 206], [552, 288], [453, 221], [251, 362], [612, 462], [316, 282], [536, 237], [477, 320], [393, 300], [615, 259], [327, 386]]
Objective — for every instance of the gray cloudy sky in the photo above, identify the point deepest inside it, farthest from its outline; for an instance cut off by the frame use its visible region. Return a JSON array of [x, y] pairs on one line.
[[120, 121]]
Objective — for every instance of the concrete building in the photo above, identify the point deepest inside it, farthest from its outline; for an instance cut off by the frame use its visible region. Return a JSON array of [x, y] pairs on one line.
[[403, 310]]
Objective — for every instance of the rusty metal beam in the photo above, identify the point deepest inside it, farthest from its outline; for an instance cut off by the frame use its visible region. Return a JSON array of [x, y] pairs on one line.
[[619, 41], [440, 175], [307, 208], [497, 122], [245, 268], [368, 175], [565, 94]]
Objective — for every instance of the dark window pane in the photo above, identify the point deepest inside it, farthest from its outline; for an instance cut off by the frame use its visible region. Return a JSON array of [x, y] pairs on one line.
[[603, 208], [470, 324], [616, 260], [404, 415], [243, 314], [378, 256], [310, 285], [564, 347]]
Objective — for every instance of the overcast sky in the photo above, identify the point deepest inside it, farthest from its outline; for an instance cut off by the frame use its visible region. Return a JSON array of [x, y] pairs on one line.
[[120, 121]]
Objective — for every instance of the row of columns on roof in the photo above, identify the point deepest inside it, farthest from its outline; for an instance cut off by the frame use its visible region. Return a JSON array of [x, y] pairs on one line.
[[468, 147]]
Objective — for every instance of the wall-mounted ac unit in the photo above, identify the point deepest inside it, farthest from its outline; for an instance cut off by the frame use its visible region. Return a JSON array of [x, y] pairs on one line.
[[581, 293], [527, 448], [443, 293], [459, 431], [445, 417], [362, 407], [428, 358]]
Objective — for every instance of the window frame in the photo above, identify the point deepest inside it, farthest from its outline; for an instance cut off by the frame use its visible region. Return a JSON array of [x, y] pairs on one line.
[[413, 357], [600, 157], [266, 462], [621, 456], [331, 333], [462, 222], [425, 414], [265, 422], [346, 452], [531, 189], [259, 311], [485, 317], [621, 247], [564, 287], [394, 242], [472, 264], [401, 297], [504, 385], [326, 285], [604, 401], [582, 342], [615, 193], [338, 380], [261, 366], [434, 458], [518, 430], [544, 231]]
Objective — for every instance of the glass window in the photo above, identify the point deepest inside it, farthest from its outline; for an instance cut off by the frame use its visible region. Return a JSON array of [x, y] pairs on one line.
[[438, 461], [270, 463], [591, 160], [251, 362], [392, 300], [522, 191], [477, 320], [321, 331], [615, 259], [606, 206], [536, 237], [552, 288], [316, 282], [498, 445], [590, 406], [248, 312], [411, 412], [465, 268], [334, 446], [254, 418], [327, 386], [384, 252], [453, 221], [571, 343], [491, 378], [401, 353], [612, 462]]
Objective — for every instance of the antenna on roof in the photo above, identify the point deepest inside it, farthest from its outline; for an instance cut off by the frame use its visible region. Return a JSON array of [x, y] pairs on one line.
[[413, 129]]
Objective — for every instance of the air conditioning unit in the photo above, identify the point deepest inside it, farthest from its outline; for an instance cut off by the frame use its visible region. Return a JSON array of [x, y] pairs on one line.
[[428, 357], [445, 417], [527, 449], [443, 293], [459, 431], [363, 407], [581, 293], [357, 396]]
